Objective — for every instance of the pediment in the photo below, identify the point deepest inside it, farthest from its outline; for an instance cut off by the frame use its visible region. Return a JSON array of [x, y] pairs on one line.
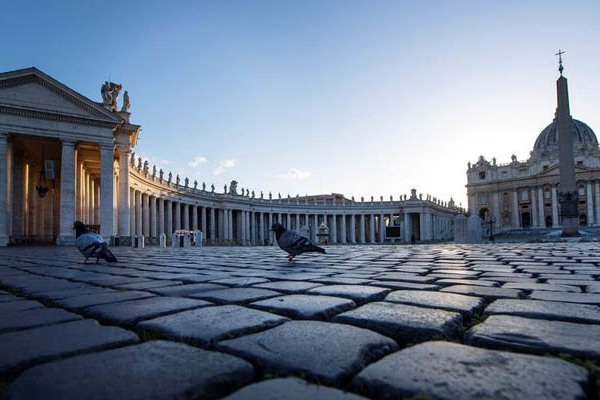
[[32, 90]]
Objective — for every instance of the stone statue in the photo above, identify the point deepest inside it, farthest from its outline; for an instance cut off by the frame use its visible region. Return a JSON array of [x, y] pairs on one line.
[[153, 171], [362, 199], [381, 199], [232, 187], [353, 199], [203, 186], [177, 180], [195, 184], [469, 165], [371, 199], [170, 177], [225, 189], [391, 198], [279, 195], [212, 187], [493, 160], [162, 174], [513, 158], [420, 196], [139, 166], [110, 92], [253, 194], [187, 182], [146, 166], [261, 194], [133, 158], [270, 196], [126, 103]]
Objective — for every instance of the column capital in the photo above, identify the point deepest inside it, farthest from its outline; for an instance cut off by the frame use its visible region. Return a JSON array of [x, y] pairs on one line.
[[68, 142], [105, 146]]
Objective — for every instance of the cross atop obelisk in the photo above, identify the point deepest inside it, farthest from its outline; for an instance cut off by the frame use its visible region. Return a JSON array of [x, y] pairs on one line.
[[560, 66]]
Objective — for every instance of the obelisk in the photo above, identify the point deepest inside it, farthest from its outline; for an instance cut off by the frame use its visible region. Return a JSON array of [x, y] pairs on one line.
[[567, 187]]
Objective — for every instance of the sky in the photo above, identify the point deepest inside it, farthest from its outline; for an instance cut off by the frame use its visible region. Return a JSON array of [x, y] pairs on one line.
[[364, 98]]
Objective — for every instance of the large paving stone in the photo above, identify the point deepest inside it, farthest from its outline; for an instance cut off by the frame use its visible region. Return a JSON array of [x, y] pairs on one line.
[[480, 282], [405, 285], [582, 298], [236, 295], [184, 290], [537, 336], [406, 324], [19, 306], [239, 282], [290, 389], [306, 306], [128, 313], [331, 353], [288, 286], [207, 325], [63, 294], [542, 286], [21, 349], [152, 370], [570, 312], [80, 302], [18, 320], [359, 293], [466, 305], [488, 293], [449, 371], [7, 298], [147, 285]]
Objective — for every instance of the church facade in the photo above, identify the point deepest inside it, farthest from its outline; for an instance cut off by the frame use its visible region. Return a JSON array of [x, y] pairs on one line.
[[70, 158], [523, 195]]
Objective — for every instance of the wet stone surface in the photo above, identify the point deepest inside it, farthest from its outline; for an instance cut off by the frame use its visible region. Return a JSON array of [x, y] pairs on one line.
[[357, 322]]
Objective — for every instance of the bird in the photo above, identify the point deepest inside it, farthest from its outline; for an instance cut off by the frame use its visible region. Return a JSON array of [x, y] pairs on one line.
[[91, 244], [293, 243]]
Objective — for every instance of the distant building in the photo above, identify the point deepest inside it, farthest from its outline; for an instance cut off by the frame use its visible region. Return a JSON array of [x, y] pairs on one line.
[[524, 194]]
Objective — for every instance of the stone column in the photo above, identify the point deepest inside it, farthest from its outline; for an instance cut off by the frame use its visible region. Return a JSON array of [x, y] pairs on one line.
[[534, 213], [288, 222], [230, 223], [316, 228], [106, 190], [203, 222], [132, 212], [554, 207], [589, 203], [408, 227], [597, 202], [352, 228], [91, 205], [334, 230], [138, 213], [169, 219], [186, 216], [153, 228], [177, 212], [261, 228], [67, 194], [161, 217], [541, 208], [372, 228], [361, 229], [194, 217], [252, 227], [4, 190], [515, 210], [271, 234], [213, 236], [297, 222], [343, 229], [17, 194], [381, 228], [249, 224], [145, 215], [123, 204], [243, 227]]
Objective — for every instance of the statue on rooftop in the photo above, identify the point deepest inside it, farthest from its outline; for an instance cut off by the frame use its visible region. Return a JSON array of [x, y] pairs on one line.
[[232, 187], [270, 196], [212, 188], [139, 165], [132, 161], [161, 174], [187, 182], [153, 171], [195, 184], [261, 194], [110, 93], [146, 166], [126, 103], [177, 180], [170, 177], [203, 186], [253, 194], [513, 158]]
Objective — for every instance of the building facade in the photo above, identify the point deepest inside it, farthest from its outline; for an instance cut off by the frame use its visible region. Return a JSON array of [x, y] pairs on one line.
[[523, 195], [70, 158]]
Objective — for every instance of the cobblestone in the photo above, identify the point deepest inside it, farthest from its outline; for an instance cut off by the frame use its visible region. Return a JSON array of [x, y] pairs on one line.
[[223, 321]]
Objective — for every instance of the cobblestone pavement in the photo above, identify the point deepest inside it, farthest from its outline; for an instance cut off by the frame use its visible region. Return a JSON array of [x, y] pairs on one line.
[[505, 321]]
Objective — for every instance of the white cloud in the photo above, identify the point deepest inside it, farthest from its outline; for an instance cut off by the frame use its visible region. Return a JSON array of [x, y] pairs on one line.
[[295, 173], [223, 165], [197, 161]]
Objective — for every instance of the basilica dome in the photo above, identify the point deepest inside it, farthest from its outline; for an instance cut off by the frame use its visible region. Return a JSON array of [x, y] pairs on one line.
[[582, 135]]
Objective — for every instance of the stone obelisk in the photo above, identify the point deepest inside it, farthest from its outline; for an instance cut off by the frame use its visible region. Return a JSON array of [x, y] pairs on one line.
[[567, 188]]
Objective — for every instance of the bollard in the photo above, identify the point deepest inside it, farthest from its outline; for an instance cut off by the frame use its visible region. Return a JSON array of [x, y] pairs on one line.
[[162, 240], [138, 241]]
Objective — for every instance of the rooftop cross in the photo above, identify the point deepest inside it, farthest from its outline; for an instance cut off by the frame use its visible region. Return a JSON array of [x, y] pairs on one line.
[[560, 66]]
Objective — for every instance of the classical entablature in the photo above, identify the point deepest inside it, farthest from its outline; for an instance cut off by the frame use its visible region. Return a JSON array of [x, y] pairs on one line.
[[70, 158]]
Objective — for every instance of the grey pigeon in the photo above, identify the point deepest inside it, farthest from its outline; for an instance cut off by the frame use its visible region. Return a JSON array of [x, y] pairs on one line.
[[91, 244], [293, 243]]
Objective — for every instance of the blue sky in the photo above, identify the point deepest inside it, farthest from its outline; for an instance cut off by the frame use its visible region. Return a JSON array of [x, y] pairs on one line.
[[361, 98]]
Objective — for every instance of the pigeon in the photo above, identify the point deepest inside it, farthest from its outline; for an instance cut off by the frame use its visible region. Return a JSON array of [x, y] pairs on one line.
[[91, 244], [293, 243]]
